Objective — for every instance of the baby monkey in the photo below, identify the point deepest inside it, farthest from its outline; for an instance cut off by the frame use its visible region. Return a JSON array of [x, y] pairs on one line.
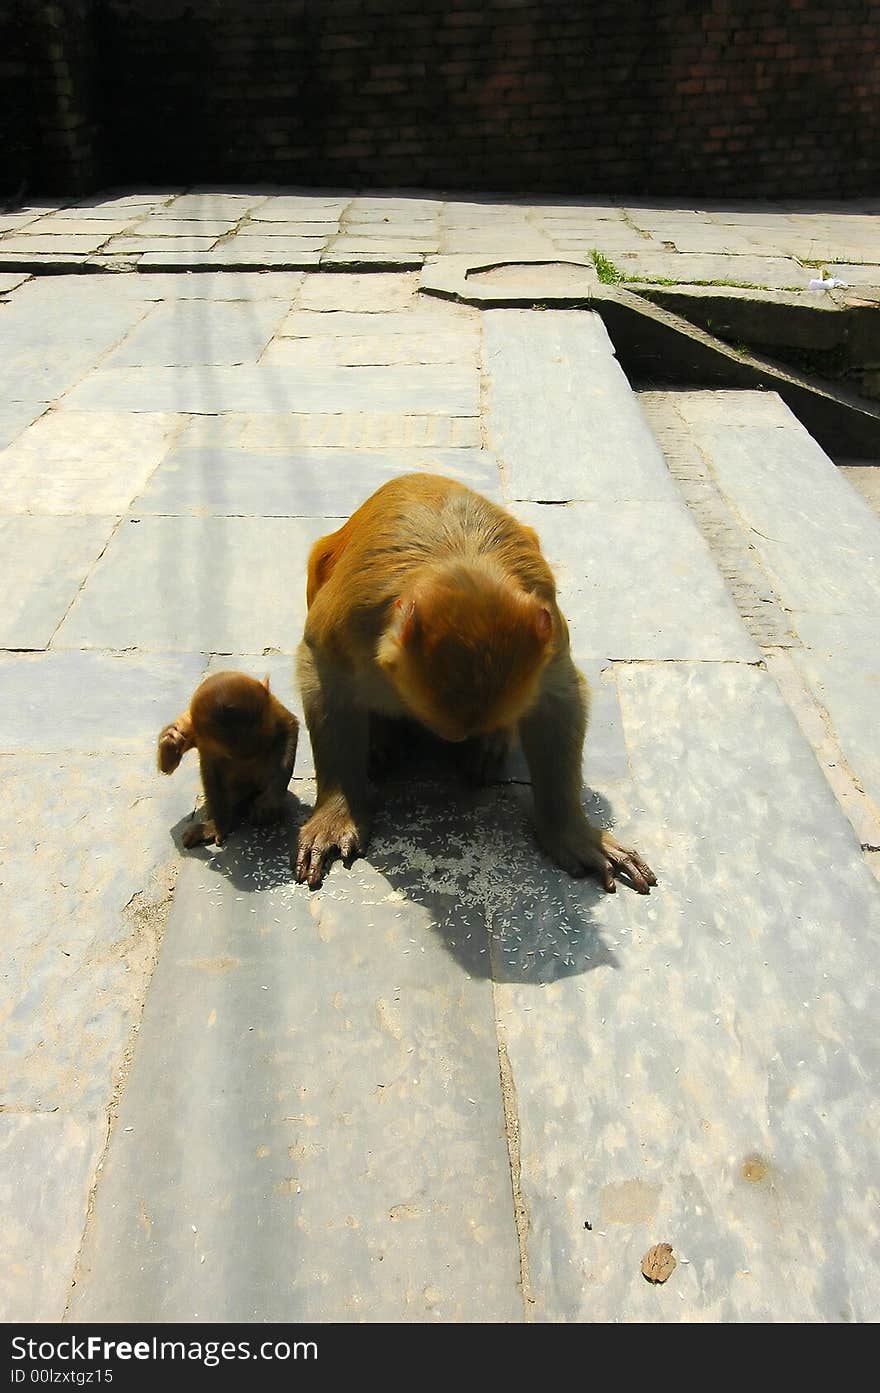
[[247, 746]]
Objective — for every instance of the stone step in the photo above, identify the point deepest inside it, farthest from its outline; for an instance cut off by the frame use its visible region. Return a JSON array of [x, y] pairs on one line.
[[814, 538], [455, 1084]]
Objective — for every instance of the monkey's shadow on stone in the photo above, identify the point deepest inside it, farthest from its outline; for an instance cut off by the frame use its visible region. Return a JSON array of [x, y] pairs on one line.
[[466, 855], [469, 857], [252, 858]]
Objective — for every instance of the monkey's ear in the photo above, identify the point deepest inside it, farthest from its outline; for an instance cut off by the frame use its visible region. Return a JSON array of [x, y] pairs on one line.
[[265, 682], [401, 631], [544, 624]]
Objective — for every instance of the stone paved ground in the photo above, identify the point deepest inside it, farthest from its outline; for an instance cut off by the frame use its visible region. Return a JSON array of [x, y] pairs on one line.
[[453, 1084], [762, 245]]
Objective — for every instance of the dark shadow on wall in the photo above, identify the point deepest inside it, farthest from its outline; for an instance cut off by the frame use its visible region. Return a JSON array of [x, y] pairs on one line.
[[754, 99]]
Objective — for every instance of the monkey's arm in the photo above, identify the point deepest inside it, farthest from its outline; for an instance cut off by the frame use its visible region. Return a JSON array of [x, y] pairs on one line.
[[552, 736], [217, 814], [174, 741], [339, 732]]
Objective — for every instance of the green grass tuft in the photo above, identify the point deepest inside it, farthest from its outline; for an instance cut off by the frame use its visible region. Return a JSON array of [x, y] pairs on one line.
[[606, 270]]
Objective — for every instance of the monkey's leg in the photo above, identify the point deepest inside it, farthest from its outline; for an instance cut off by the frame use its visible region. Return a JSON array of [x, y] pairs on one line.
[[552, 736], [199, 834], [220, 808], [174, 741], [339, 732]]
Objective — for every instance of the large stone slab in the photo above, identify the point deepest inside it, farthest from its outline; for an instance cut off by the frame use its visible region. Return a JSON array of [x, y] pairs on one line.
[[10, 281], [777, 272], [47, 1164], [362, 430], [327, 1156], [433, 346], [55, 329], [43, 563], [638, 581], [302, 209], [710, 1083], [194, 331], [372, 293], [447, 390], [214, 260], [172, 246], [841, 665], [313, 483], [211, 585], [818, 540], [423, 316], [16, 416], [87, 863], [24, 243], [162, 225], [561, 414], [210, 205], [213, 286], [83, 462], [131, 696]]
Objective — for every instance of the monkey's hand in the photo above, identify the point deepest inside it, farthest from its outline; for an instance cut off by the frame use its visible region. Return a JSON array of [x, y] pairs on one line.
[[174, 742], [581, 849], [332, 827], [201, 834]]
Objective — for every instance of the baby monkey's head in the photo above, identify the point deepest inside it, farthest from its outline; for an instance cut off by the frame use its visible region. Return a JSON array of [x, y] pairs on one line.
[[232, 713]]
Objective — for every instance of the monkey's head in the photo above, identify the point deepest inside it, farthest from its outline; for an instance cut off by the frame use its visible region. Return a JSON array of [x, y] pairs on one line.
[[465, 652], [230, 712]]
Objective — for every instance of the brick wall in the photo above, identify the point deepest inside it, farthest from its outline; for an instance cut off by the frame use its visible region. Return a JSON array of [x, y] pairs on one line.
[[725, 97]]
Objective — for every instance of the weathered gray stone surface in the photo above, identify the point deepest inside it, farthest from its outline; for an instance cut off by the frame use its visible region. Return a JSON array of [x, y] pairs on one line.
[[43, 563], [83, 462], [357, 430], [313, 483], [88, 865], [841, 664], [247, 286], [195, 331], [458, 1048], [420, 316], [212, 260], [560, 412], [433, 346], [160, 225], [779, 272], [131, 696], [12, 279], [50, 338], [703, 1080], [819, 543], [140, 242], [196, 585], [453, 390], [26, 242], [817, 538], [358, 293], [637, 581], [47, 1162], [390, 1074], [16, 416], [865, 479]]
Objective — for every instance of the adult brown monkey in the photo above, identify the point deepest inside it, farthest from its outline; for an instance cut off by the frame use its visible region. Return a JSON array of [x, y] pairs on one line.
[[434, 604]]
